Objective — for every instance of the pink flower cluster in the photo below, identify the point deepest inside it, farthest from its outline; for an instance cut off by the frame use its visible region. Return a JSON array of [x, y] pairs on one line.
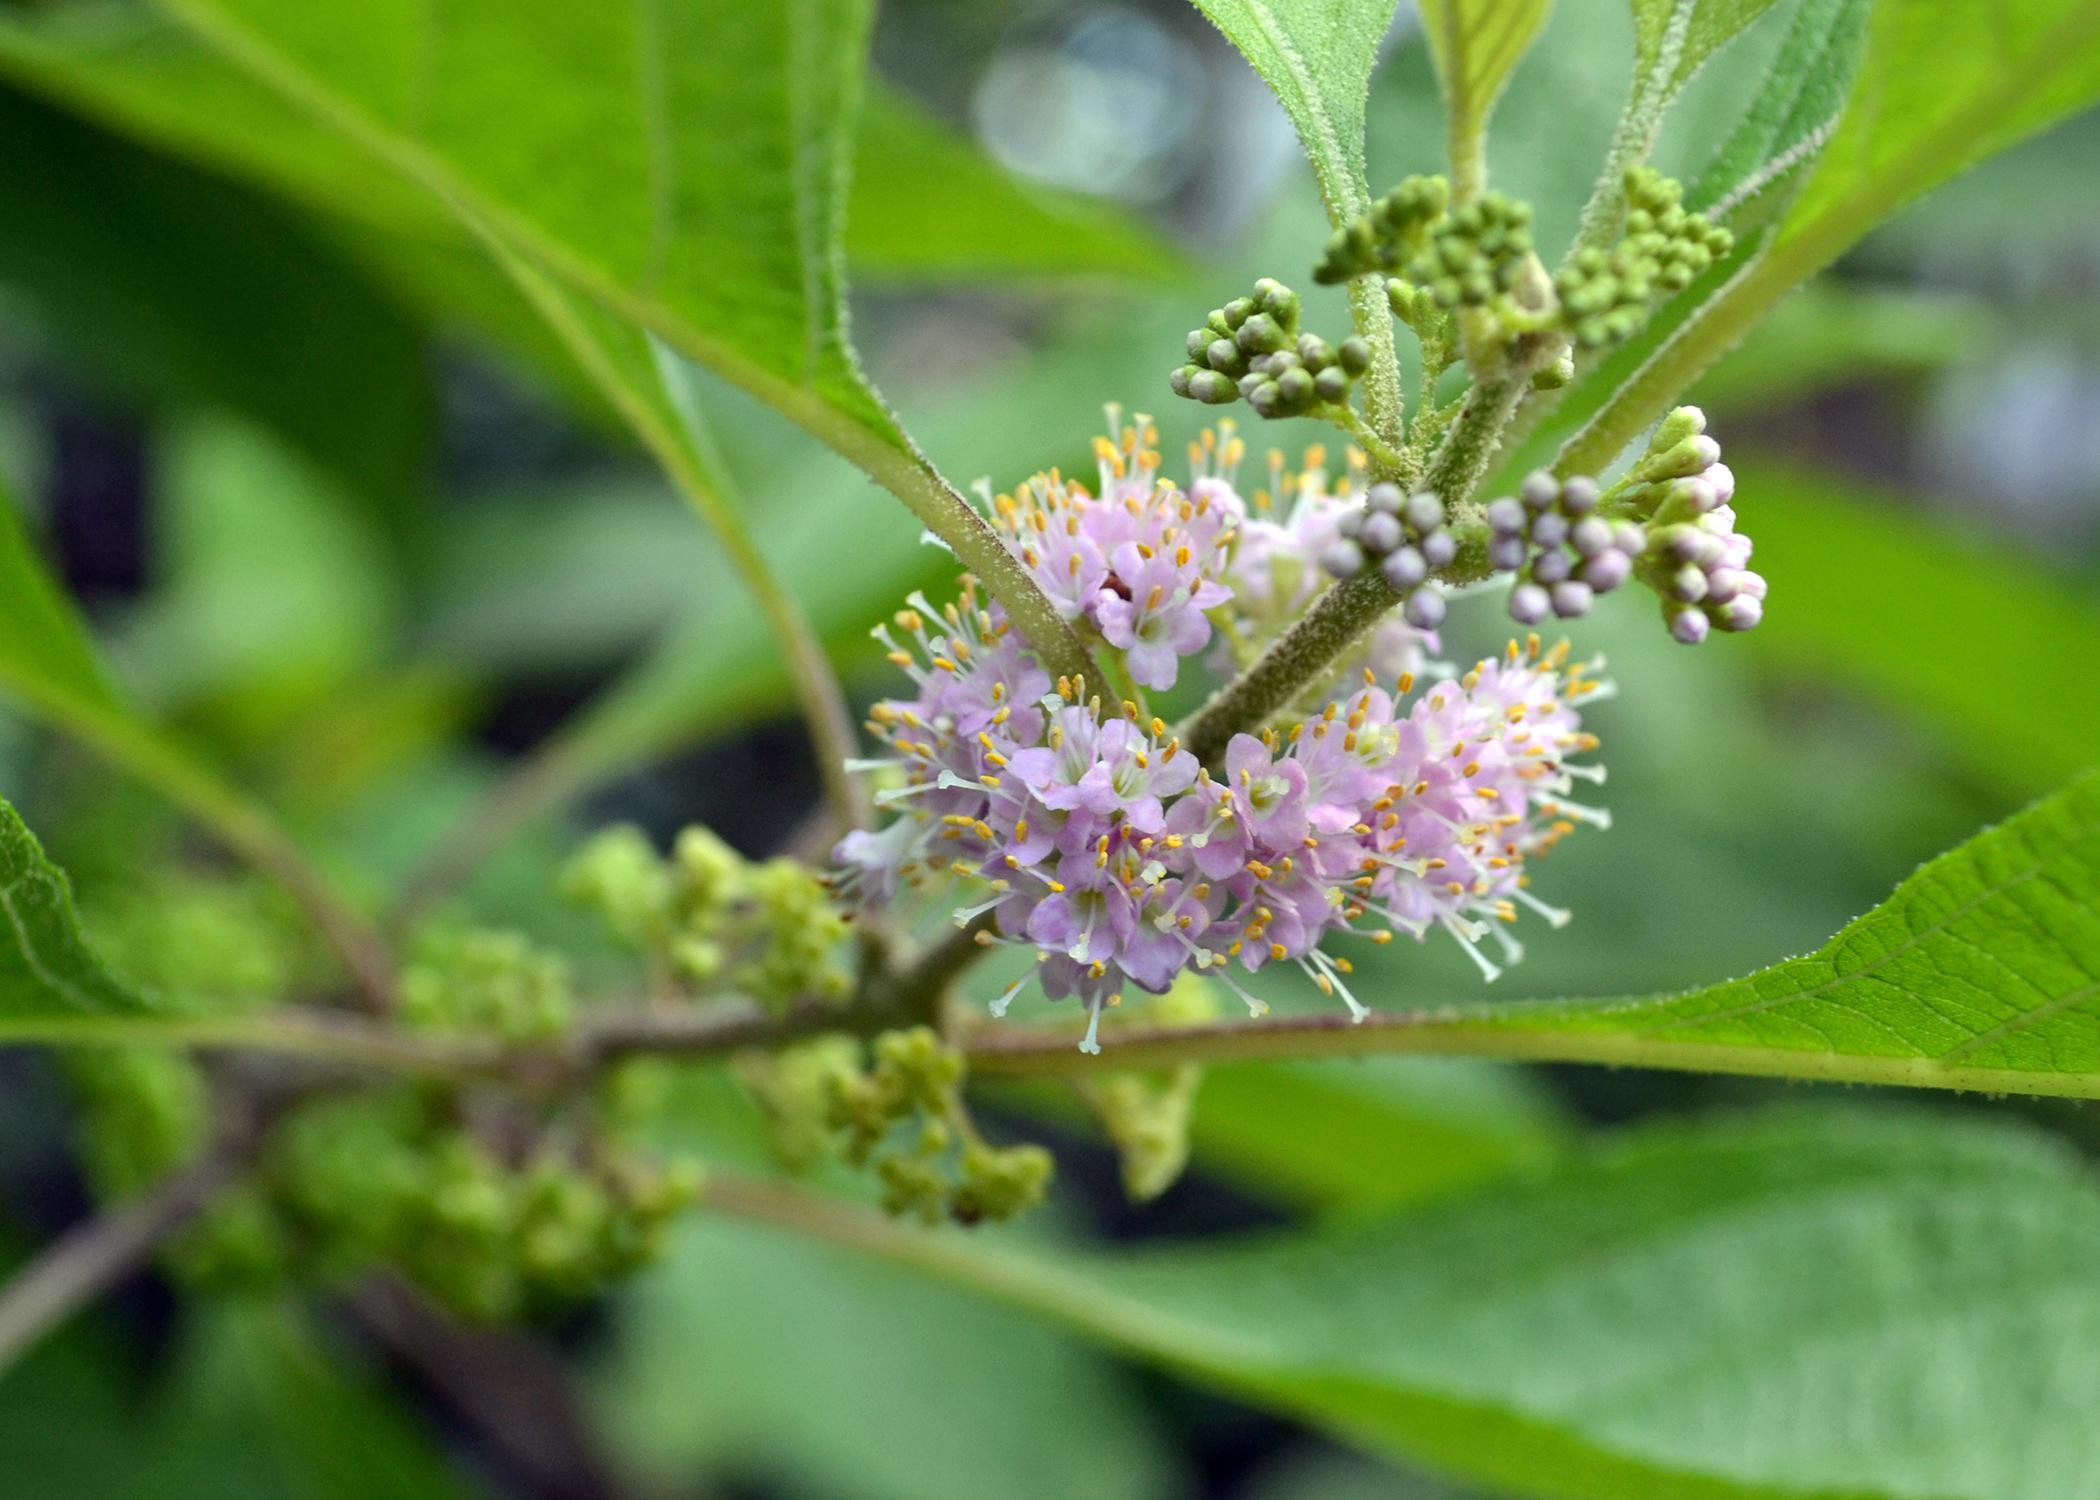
[[1099, 842]]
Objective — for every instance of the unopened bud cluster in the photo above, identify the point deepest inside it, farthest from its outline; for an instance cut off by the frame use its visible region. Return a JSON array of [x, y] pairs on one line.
[[900, 1116], [1252, 349], [1392, 233], [1404, 536], [1475, 254], [1605, 296], [716, 921], [1562, 552], [1695, 560]]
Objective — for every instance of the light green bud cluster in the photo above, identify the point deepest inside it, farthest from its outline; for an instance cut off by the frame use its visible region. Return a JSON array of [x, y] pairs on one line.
[[486, 982], [1393, 232], [1146, 1115], [1605, 296], [713, 919], [900, 1116], [1476, 254], [1252, 349], [396, 1180]]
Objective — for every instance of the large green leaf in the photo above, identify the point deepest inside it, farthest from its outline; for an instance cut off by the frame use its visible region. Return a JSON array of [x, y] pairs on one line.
[[239, 302], [1806, 1303], [1941, 87], [925, 202], [1317, 55], [889, 1389], [1795, 112], [1982, 971]]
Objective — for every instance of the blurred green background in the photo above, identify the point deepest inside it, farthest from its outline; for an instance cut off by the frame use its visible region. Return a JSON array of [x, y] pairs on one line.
[[344, 519]]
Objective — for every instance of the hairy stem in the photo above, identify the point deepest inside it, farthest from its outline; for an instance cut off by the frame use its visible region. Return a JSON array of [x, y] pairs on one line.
[[1384, 405], [1348, 610]]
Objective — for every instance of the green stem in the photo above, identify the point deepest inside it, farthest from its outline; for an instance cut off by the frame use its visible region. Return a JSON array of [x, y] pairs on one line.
[[1384, 404]]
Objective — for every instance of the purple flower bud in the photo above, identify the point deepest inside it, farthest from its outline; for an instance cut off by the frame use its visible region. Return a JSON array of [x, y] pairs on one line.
[[1721, 479], [1386, 498], [1381, 532], [1606, 571], [1689, 626], [1438, 548], [1344, 559], [1507, 516], [1529, 604], [1425, 608], [1550, 529], [1578, 497], [1741, 613], [1404, 568], [1590, 536], [1423, 512], [1539, 490], [1507, 553], [1551, 567], [1630, 537], [1751, 584], [1688, 583], [1696, 493], [1722, 585], [1572, 600], [1351, 525]]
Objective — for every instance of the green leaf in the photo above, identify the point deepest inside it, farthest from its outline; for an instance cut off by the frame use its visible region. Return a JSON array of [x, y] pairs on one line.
[[1940, 88], [1426, 1128], [48, 975], [1476, 44], [890, 1389], [1317, 56], [46, 655], [239, 303], [1674, 39], [1795, 112], [1804, 1302], [1954, 629]]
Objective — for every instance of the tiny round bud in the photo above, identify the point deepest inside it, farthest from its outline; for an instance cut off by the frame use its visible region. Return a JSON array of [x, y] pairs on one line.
[[1507, 553], [1590, 536], [1606, 571], [1529, 604], [1344, 559], [1630, 537], [1423, 512], [1425, 609], [1751, 584], [1550, 529], [1688, 583], [1351, 525], [1261, 335], [1551, 567], [1332, 384], [1178, 381], [1696, 494], [1296, 389], [1355, 355], [1578, 496], [1237, 311], [1689, 626], [1571, 600], [1507, 516], [1381, 532], [1199, 343], [1539, 490], [1741, 613], [1438, 548], [1682, 423], [1722, 585], [1385, 497], [1317, 353], [1223, 354], [1213, 389], [1404, 568], [1266, 400]]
